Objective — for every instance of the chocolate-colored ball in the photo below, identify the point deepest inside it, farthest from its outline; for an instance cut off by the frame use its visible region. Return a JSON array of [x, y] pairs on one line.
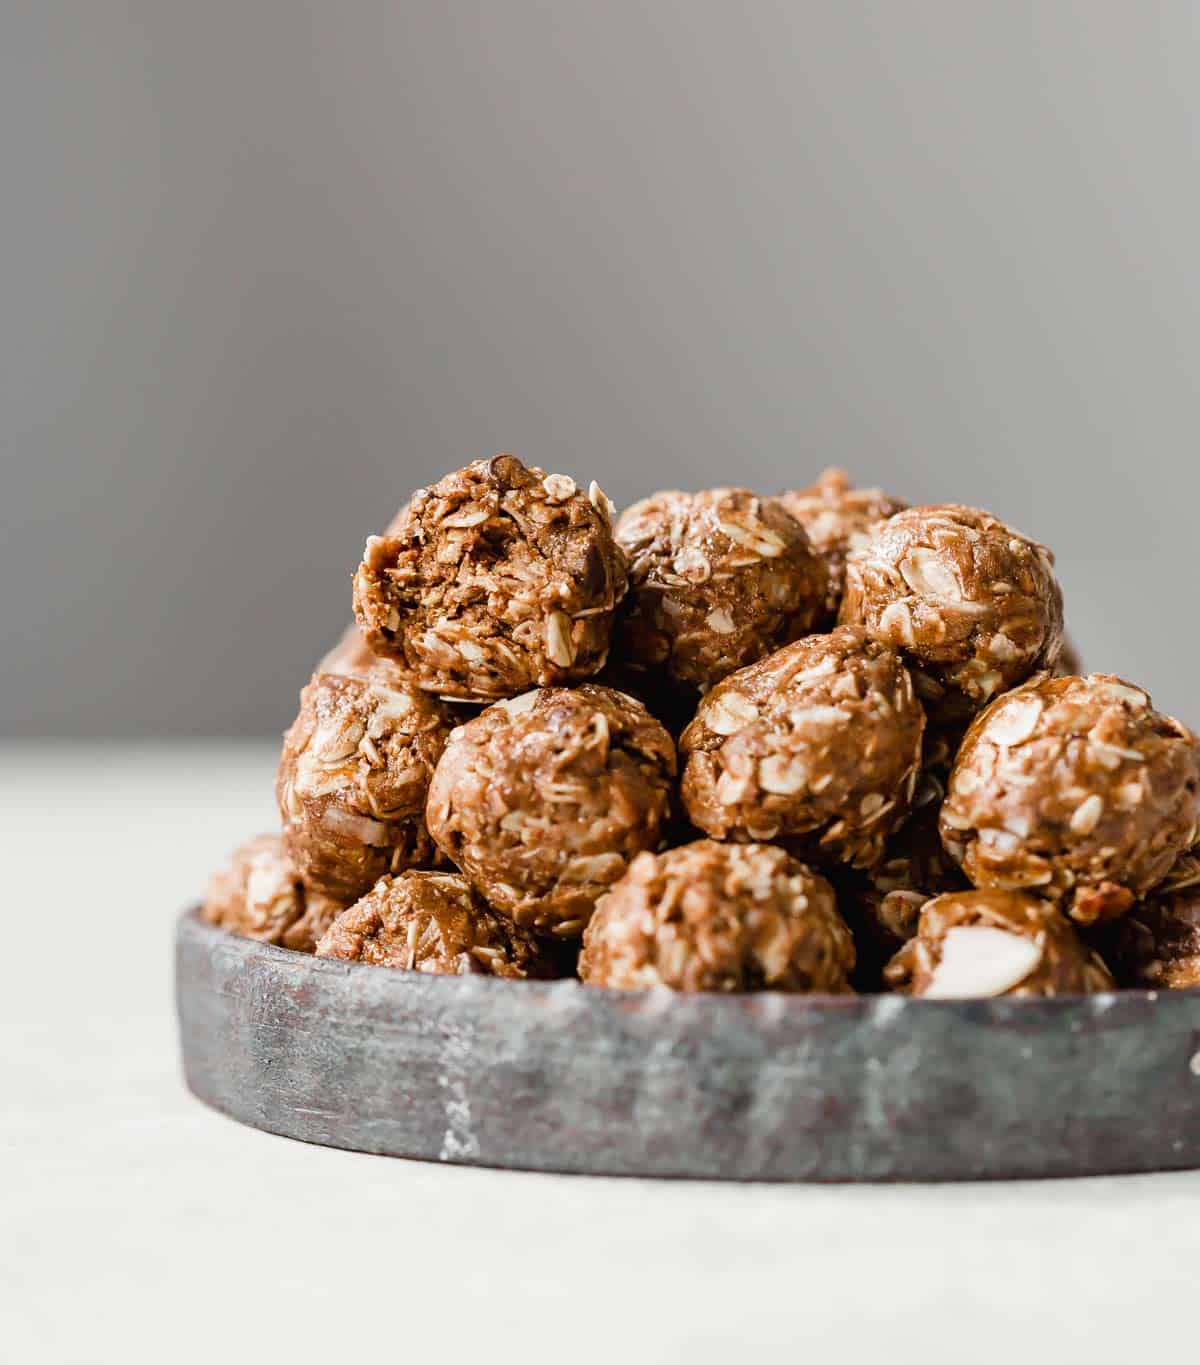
[[838, 518], [258, 893], [719, 917], [973, 604], [354, 775], [818, 744], [543, 799], [1076, 789], [989, 943], [433, 922], [497, 579], [717, 579]]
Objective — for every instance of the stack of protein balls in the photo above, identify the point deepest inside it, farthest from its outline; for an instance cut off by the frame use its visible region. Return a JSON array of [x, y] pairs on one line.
[[814, 743]]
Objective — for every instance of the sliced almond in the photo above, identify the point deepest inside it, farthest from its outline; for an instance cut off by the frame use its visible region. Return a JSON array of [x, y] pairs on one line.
[[928, 575], [896, 623], [1132, 696], [559, 487], [729, 712], [517, 706], [559, 645], [600, 500], [978, 960], [1087, 814], [1015, 721], [782, 774]]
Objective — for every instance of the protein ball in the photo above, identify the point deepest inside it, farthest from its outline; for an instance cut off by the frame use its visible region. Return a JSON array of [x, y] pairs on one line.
[[543, 799], [838, 518], [353, 778], [719, 917], [717, 580], [988, 943], [1157, 945], [497, 579], [432, 922], [819, 745], [974, 605], [1076, 788], [257, 893]]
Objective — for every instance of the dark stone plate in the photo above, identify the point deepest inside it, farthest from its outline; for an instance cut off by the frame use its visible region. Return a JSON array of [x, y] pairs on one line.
[[555, 1077]]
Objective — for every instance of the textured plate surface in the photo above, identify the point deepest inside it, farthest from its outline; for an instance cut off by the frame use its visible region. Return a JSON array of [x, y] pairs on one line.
[[555, 1077]]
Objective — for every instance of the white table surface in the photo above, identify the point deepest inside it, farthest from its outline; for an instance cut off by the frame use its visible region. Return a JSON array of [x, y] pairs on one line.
[[137, 1225]]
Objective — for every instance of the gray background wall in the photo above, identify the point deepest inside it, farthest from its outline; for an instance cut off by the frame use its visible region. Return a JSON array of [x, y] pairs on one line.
[[267, 265]]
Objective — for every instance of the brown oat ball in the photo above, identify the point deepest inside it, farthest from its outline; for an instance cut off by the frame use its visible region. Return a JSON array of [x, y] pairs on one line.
[[543, 799], [987, 943], [719, 917], [974, 605], [354, 775], [432, 922], [257, 893], [838, 518], [818, 744], [716, 580], [1075, 788], [497, 579]]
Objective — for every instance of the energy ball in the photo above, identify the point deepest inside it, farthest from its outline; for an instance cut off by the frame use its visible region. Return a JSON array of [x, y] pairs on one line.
[[354, 776], [497, 579], [818, 745], [432, 922], [543, 799], [838, 518], [1157, 945], [1075, 788], [257, 893], [974, 605], [988, 943], [719, 917], [717, 580]]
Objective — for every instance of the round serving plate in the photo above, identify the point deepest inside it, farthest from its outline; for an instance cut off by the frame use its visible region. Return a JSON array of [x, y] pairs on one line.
[[551, 1076]]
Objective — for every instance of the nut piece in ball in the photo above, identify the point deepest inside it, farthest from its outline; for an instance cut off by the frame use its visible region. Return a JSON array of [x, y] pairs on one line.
[[354, 776], [719, 917], [543, 799], [257, 893], [497, 579], [819, 744], [988, 943], [432, 922], [974, 605], [717, 580], [1077, 789], [838, 518]]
